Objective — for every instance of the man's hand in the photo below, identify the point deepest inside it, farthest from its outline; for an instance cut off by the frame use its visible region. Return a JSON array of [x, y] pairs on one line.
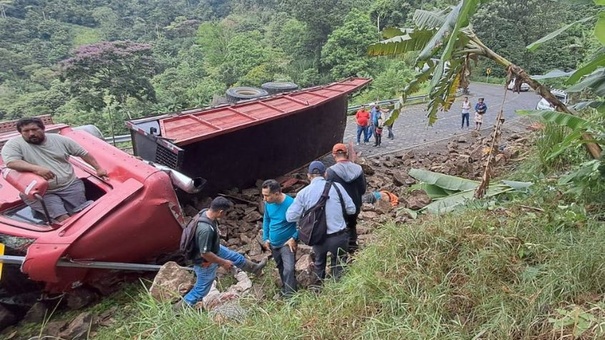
[[44, 173], [292, 244], [267, 245], [227, 264], [102, 173]]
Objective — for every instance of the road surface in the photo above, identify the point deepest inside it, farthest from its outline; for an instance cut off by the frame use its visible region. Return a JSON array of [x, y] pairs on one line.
[[411, 128]]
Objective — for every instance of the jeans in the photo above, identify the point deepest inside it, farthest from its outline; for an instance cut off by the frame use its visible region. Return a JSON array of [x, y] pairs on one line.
[[369, 131], [206, 274], [285, 260], [360, 130], [465, 116], [338, 246]]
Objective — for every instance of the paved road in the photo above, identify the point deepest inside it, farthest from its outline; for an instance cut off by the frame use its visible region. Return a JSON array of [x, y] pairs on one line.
[[411, 128]]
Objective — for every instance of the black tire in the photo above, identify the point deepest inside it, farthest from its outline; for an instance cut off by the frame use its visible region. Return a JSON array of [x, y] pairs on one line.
[[235, 94], [279, 87]]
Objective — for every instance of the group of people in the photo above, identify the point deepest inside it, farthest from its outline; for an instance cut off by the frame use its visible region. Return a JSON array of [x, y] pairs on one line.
[[47, 156], [282, 213], [280, 233], [372, 123], [480, 109]]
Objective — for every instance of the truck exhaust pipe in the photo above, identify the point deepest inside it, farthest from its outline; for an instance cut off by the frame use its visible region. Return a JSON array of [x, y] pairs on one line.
[[181, 181]]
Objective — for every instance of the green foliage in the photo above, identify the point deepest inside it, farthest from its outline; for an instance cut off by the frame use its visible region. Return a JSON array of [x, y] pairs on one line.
[[344, 54]]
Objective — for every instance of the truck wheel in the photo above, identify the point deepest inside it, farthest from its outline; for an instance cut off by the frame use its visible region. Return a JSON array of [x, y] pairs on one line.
[[279, 87], [235, 94]]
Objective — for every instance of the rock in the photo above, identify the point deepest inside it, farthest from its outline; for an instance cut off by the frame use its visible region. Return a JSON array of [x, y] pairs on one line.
[[7, 318], [399, 178], [78, 328], [54, 328], [171, 282], [252, 217], [37, 312], [418, 199], [80, 298]]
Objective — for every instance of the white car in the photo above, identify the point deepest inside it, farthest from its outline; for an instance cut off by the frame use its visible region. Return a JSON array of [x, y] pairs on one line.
[[524, 86], [543, 104]]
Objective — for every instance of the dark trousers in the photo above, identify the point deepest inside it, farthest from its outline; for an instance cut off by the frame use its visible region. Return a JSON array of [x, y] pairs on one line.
[[390, 129], [285, 261], [337, 245], [351, 221], [465, 116]]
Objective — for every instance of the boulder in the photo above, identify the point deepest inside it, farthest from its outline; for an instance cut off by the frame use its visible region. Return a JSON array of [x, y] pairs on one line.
[[171, 282]]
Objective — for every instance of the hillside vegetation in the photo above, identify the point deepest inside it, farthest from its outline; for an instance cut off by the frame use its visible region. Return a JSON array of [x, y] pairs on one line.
[[103, 61]]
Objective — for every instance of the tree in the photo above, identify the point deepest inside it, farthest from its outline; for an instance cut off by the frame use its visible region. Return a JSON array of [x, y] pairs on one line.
[[106, 74], [345, 53]]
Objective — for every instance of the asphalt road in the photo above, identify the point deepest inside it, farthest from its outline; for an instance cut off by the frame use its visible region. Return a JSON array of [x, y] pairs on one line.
[[411, 128]]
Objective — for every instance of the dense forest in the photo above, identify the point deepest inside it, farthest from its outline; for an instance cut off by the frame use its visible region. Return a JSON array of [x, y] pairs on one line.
[[103, 61]]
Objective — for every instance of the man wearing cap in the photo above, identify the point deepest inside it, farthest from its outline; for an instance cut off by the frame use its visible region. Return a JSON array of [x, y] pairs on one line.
[[338, 204], [352, 178], [362, 117]]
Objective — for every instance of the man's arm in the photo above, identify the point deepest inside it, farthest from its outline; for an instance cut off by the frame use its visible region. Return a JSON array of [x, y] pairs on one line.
[[266, 222], [90, 159], [23, 166], [213, 258], [295, 210]]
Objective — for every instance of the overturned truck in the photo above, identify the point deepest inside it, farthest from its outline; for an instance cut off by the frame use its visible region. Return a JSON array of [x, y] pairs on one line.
[[136, 216]]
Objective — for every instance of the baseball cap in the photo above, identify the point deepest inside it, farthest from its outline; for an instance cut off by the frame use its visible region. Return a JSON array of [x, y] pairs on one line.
[[317, 168], [339, 148]]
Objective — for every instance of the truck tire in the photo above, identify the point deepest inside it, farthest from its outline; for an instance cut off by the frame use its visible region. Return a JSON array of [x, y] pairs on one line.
[[235, 94], [279, 87], [93, 130]]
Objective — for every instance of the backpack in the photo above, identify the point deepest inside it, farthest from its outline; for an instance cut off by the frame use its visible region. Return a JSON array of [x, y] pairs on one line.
[[312, 226], [188, 243]]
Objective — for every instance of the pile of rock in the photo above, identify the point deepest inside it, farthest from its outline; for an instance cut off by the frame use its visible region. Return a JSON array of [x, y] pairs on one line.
[[464, 157]]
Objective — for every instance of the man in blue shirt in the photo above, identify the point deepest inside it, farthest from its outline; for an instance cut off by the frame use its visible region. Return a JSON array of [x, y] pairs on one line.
[[279, 235], [338, 204]]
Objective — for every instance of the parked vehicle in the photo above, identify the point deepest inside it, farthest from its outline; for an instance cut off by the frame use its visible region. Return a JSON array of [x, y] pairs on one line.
[[543, 104]]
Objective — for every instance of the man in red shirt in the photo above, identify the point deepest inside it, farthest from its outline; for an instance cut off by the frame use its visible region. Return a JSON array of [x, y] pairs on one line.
[[363, 118]]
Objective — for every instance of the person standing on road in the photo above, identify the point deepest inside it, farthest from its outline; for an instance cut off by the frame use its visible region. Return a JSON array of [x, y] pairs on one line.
[[480, 109], [371, 123], [210, 254], [389, 126], [337, 206], [466, 112], [353, 180], [279, 235], [362, 117], [376, 125]]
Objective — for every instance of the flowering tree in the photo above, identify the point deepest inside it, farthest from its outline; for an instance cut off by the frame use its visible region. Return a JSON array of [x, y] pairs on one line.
[[108, 73]]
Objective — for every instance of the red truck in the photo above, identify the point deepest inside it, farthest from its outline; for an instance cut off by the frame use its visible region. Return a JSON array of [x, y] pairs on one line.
[[136, 216]]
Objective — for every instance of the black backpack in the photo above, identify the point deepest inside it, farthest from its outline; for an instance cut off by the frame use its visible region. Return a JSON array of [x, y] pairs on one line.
[[188, 243], [312, 226]]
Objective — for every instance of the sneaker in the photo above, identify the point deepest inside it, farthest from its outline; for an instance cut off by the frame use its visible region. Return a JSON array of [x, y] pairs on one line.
[[357, 143]]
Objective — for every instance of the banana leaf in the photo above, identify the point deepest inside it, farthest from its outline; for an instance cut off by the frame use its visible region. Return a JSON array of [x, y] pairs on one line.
[[444, 181], [559, 118], [451, 202]]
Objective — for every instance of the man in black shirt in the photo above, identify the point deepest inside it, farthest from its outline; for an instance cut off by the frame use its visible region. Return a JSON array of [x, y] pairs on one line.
[[210, 253], [352, 178]]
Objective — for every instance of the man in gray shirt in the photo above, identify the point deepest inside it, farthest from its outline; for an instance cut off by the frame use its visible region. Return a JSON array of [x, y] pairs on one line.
[[48, 157], [338, 203]]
